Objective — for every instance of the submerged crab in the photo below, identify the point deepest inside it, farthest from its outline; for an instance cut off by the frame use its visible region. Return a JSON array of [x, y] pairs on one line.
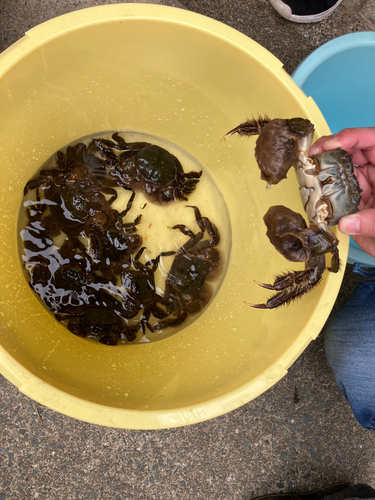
[[197, 262], [101, 319], [139, 291], [145, 167], [328, 188]]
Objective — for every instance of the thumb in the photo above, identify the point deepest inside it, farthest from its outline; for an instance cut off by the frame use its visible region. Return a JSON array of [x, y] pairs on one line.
[[362, 223]]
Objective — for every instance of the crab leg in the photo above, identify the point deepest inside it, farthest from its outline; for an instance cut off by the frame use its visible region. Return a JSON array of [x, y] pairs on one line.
[[248, 128], [291, 286], [168, 322]]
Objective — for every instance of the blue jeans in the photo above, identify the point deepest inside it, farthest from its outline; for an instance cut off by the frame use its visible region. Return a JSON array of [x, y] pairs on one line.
[[350, 349]]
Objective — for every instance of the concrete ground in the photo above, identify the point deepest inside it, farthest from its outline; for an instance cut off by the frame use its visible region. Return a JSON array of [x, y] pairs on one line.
[[297, 436]]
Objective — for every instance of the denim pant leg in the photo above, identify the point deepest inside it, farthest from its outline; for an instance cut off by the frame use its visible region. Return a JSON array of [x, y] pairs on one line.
[[350, 349]]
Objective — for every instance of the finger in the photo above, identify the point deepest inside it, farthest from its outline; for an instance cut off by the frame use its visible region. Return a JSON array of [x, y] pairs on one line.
[[352, 138], [366, 243], [317, 147], [360, 224], [359, 157], [358, 142]]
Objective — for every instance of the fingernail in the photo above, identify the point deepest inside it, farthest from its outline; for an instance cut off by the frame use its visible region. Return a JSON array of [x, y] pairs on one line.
[[350, 225], [331, 144]]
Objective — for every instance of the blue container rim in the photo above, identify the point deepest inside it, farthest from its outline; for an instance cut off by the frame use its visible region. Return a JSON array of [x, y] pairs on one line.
[[329, 49]]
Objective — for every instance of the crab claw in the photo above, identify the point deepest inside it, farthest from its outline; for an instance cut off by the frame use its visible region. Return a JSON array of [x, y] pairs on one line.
[[291, 286]]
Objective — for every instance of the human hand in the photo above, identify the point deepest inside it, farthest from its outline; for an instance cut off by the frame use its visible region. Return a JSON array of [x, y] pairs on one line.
[[360, 143]]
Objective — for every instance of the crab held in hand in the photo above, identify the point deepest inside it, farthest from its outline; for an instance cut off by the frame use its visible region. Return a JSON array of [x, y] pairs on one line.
[[328, 188]]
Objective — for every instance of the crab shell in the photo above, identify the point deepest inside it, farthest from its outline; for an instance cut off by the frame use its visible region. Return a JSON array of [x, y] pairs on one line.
[[328, 187], [279, 144]]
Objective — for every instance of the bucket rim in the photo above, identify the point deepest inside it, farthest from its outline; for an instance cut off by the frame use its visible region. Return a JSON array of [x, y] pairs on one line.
[[65, 403], [330, 49]]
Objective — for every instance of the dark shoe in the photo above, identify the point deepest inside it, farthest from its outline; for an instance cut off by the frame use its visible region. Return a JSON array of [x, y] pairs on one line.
[[305, 11], [311, 495]]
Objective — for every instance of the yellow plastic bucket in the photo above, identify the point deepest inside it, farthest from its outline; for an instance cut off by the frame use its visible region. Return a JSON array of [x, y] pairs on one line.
[[187, 79]]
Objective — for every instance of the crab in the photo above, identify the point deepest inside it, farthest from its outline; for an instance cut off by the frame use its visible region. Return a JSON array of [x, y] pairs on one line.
[[146, 167], [74, 189], [139, 291], [112, 240], [328, 189], [101, 319], [197, 262], [77, 166]]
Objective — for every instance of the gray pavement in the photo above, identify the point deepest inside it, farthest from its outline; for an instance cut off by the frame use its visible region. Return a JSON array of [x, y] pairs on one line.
[[297, 436]]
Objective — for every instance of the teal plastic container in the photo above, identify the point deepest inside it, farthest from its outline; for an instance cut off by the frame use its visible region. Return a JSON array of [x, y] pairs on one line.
[[340, 77]]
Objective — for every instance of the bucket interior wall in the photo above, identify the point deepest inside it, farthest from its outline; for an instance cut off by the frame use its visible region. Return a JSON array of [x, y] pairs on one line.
[[190, 87]]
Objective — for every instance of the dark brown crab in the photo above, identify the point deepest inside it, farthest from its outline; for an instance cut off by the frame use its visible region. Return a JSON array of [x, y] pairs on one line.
[[101, 319], [198, 261], [139, 293], [328, 188], [146, 167], [78, 167]]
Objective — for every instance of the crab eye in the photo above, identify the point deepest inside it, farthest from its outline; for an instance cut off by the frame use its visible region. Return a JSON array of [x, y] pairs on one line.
[[156, 164]]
